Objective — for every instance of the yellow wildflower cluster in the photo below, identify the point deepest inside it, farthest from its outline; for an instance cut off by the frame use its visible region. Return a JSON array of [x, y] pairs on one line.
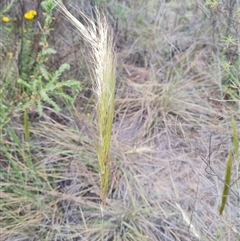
[[30, 14], [5, 19]]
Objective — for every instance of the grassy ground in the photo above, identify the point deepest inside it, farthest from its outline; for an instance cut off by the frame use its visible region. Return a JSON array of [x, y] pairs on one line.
[[177, 89]]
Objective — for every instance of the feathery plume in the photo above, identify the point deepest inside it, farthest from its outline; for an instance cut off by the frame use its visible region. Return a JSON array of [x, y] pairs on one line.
[[98, 38]]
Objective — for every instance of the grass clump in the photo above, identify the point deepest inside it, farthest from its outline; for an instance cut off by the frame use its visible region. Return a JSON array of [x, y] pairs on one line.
[[23, 184], [177, 85]]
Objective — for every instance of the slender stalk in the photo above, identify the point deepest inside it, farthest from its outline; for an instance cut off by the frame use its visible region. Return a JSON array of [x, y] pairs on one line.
[[227, 182], [26, 125]]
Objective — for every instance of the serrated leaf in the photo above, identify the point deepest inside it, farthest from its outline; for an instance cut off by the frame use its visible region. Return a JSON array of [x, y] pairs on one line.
[[51, 102], [73, 83], [66, 97], [49, 51], [48, 6], [34, 85], [40, 108], [43, 94], [59, 72], [24, 83], [44, 72]]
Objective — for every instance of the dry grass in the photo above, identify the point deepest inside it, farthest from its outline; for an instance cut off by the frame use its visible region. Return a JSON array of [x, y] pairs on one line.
[[168, 109]]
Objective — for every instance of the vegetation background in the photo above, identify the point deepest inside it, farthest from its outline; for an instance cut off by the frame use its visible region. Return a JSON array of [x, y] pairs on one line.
[[176, 123]]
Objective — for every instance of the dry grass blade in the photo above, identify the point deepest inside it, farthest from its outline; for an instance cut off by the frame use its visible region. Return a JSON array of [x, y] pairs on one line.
[[103, 68]]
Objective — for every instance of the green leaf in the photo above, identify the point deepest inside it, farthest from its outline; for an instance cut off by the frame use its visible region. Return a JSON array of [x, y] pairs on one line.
[[72, 83], [227, 182], [26, 105], [212, 3], [26, 125], [59, 85], [59, 72], [49, 51], [44, 72], [24, 83], [67, 97], [48, 6], [40, 108], [43, 94], [51, 102]]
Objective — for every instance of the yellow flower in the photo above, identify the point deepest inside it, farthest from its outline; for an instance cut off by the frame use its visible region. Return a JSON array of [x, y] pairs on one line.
[[10, 54], [5, 19], [30, 14]]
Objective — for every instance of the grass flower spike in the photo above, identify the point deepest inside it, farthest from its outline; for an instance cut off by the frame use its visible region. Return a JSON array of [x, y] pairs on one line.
[[102, 61]]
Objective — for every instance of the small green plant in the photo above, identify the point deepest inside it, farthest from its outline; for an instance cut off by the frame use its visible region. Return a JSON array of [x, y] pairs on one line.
[[35, 85], [40, 90], [212, 4], [121, 12]]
